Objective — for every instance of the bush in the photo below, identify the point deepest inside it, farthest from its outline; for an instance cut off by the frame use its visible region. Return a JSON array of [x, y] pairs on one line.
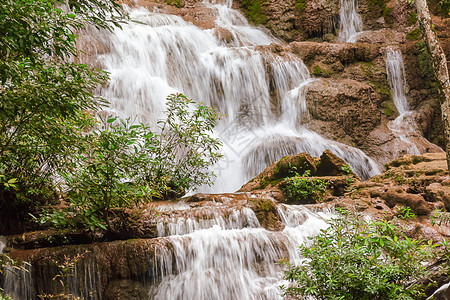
[[122, 164], [359, 259], [303, 188], [183, 153], [44, 95]]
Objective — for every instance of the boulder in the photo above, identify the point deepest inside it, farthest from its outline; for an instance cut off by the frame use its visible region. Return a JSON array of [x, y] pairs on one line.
[[437, 192], [276, 172], [416, 202], [332, 165]]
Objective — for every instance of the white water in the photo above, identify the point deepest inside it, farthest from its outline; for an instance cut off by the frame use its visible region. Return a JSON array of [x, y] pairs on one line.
[[166, 55], [404, 126], [241, 263], [350, 21], [221, 260]]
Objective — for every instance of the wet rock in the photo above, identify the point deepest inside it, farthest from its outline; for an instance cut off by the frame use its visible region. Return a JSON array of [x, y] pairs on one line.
[[417, 203], [287, 166], [442, 293], [332, 165], [125, 290], [346, 105], [267, 214], [436, 192]]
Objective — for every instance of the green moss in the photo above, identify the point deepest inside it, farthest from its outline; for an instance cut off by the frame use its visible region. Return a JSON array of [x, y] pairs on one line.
[[412, 18], [425, 66], [379, 3], [176, 3], [388, 111], [387, 12], [413, 35], [367, 68], [253, 11], [300, 5], [317, 70], [264, 182]]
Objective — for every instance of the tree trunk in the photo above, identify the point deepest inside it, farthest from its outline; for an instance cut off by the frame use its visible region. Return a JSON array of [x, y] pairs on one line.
[[440, 68]]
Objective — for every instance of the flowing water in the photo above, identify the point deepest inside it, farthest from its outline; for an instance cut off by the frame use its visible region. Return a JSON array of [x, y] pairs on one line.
[[222, 253], [350, 21], [404, 126], [222, 259], [262, 95]]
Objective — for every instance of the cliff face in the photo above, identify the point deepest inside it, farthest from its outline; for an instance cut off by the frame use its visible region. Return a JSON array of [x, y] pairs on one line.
[[385, 24], [351, 101]]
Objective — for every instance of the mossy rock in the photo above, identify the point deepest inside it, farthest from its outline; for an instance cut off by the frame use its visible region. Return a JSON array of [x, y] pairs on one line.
[[267, 214], [285, 167], [389, 109], [332, 165], [413, 35]]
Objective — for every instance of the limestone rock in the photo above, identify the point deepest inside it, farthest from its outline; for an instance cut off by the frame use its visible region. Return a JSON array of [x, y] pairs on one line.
[[416, 202], [125, 290], [279, 170], [332, 165], [436, 192]]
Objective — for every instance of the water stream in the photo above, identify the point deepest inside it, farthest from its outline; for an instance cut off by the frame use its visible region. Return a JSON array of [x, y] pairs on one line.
[[234, 259], [404, 125], [262, 95], [350, 21]]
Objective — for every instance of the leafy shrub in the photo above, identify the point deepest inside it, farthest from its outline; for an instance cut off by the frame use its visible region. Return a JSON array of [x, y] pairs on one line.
[[124, 164], [359, 259], [106, 169], [44, 95], [303, 188], [184, 151]]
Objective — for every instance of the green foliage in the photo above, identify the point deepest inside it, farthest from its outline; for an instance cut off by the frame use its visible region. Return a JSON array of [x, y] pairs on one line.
[[303, 188], [184, 150], [43, 94], [439, 217], [444, 8], [412, 18], [359, 259], [253, 11], [349, 174], [413, 35], [176, 3], [300, 5], [124, 164], [405, 213], [105, 170]]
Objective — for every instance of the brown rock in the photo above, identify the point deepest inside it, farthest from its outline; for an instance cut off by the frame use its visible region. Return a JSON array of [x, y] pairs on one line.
[[331, 165], [267, 214], [436, 192], [286, 166], [416, 202], [125, 290]]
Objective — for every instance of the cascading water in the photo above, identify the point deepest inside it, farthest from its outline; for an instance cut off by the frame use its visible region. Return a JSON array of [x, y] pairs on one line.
[[165, 54], [404, 125], [224, 258], [350, 21], [237, 263]]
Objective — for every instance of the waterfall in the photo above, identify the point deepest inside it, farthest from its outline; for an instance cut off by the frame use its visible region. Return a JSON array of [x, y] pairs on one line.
[[350, 21], [404, 125], [223, 68], [239, 263], [234, 259]]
